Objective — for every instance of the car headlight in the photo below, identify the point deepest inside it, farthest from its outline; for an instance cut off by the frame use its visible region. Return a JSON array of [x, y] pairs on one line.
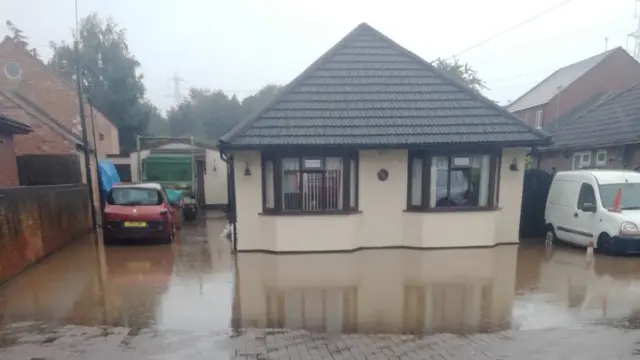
[[628, 227]]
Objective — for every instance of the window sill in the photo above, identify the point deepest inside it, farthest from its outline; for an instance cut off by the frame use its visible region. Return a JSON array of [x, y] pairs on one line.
[[312, 213], [454, 209]]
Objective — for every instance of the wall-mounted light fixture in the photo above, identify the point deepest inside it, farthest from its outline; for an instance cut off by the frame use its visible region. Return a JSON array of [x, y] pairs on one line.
[[514, 165], [214, 165], [247, 171]]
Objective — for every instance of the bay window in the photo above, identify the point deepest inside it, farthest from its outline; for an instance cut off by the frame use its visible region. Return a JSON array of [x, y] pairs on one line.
[[452, 181], [295, 183]]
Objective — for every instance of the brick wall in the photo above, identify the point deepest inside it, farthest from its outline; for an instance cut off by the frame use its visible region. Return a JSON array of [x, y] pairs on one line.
[[617, 72], [529, 115], [57, 98], [42, 140], [8, 165], [38, 220], [560, 161]]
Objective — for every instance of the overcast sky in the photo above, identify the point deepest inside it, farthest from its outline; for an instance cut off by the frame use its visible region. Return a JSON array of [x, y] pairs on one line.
[[241, 45]]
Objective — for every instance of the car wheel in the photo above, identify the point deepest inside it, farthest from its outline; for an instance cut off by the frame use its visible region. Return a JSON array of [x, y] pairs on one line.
[[550, 236], [605, 245], [170, 239]]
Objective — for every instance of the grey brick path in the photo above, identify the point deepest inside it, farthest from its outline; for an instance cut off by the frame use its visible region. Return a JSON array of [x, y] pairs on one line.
[[70, 342]]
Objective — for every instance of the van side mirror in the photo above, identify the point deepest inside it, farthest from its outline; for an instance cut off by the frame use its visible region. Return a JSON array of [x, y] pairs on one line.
[[589, 207]]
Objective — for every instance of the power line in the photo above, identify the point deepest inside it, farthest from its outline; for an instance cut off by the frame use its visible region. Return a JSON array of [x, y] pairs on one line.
[[511, 28]]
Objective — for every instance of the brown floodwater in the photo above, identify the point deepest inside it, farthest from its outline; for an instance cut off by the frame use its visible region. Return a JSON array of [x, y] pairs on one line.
[[196, 284]]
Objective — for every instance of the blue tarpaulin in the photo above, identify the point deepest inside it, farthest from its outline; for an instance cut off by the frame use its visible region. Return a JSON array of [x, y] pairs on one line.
[[107, 177]]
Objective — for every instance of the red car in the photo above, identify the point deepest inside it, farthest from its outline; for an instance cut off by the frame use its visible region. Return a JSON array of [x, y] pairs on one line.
[[138, 211]]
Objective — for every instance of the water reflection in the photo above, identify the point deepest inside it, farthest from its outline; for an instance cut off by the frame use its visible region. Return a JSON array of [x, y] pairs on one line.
[[561, 288], [187, 285], [384, 291]]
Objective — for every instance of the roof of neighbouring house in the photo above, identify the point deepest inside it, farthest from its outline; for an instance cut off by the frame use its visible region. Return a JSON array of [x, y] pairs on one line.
[[614, 120], [13, 126], [545, 90], [368, 91]]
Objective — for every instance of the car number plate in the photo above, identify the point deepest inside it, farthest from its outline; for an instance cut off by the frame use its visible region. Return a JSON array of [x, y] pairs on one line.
[[135, 224], [139, 265]]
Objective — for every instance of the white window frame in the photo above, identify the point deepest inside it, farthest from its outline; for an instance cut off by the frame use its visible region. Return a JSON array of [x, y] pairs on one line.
[[603, 162], [539, 119], [583, 163]]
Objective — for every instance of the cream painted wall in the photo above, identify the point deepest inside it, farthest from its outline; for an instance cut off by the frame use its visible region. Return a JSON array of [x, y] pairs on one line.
[[379, 288], [215, 180], [382, 221]]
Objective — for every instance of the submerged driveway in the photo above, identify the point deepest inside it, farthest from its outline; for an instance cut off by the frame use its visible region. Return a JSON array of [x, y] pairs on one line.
[[193, 299]]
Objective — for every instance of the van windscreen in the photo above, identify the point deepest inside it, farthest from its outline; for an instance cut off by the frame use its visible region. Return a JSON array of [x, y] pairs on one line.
[[629, 199]]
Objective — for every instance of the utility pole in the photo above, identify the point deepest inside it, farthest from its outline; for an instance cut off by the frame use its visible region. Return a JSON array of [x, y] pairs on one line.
[[83, 122], [177, 96], [635, 35]]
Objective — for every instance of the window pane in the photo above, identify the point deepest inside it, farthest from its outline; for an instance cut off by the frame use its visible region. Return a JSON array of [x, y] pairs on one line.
[[481, 166], [352, 179], [312, 191], [290, 184], [465, 184], [269, 196], [576, 162], [586, 196], [416, 181], [333, 183], [439, 177]]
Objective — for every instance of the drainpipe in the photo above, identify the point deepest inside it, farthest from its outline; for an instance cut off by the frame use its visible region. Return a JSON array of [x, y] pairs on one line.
[[231, 197]]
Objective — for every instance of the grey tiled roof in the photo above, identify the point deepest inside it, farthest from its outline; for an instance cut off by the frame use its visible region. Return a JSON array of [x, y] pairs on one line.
[[369, 91], [558, 80], [615, 120]]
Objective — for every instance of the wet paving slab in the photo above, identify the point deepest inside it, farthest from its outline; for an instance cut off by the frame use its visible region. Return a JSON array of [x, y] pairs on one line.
[[194, 299]]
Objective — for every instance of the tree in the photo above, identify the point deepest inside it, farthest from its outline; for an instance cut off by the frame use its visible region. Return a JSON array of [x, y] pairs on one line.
[[110, 76], [208, 115], [461, 71], [17, 35], [254, 102]]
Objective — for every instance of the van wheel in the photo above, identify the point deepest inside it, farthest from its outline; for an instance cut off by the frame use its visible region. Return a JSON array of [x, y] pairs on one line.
[[604, 244], [550, 236]]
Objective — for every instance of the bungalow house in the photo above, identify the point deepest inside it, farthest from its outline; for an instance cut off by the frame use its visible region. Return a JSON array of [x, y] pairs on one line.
[[8, 164], [373, 147], [604, 132], [567, 87]]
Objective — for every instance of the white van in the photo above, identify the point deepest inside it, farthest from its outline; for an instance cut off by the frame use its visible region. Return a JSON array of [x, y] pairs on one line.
[[580, 209]]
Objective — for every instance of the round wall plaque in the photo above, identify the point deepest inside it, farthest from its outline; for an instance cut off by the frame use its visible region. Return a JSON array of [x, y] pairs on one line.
[[383, 174]]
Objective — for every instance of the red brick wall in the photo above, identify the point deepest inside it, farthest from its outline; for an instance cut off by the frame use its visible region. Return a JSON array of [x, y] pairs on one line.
[[36, 221], [617, 72], [8, 165], [43, 140], [529, 115], [564, 160], [51, 94]]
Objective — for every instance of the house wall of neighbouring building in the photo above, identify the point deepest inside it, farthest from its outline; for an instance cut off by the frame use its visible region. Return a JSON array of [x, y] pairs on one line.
[[57, 98], [617, 72], [42, 140], [529, 115], [8, 164], [383, 221], [618, 157], [355, 291]]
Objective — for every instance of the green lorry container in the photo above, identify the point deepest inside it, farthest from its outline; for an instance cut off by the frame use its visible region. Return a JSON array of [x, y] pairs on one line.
[[175, 173]]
